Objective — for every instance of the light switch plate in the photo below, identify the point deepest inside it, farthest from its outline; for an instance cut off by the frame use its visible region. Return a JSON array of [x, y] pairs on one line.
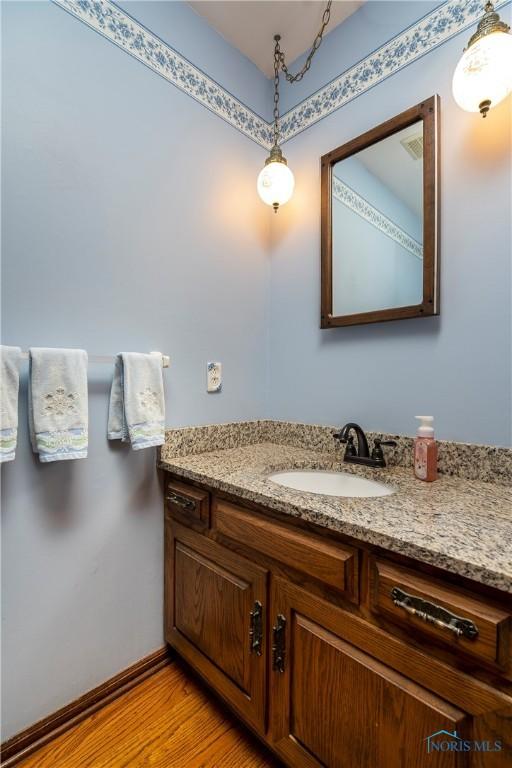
[[214, 377]]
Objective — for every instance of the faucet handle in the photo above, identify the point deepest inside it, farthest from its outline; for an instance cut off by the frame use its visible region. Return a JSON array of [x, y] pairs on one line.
[[350, 450], [377, 452]]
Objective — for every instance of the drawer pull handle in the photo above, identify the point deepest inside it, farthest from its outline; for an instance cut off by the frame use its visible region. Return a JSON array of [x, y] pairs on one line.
[[256, 629], [180, 501], [278, 644], [434, 614]]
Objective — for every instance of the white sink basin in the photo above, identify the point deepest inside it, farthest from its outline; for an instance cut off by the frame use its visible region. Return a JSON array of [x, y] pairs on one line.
[[330, 483]]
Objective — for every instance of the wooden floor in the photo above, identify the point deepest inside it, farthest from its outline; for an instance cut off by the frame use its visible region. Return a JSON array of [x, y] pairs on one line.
[[168, 720]]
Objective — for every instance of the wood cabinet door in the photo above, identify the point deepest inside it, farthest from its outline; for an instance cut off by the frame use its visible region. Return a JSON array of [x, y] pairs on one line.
[[215, 609], [335, 706]]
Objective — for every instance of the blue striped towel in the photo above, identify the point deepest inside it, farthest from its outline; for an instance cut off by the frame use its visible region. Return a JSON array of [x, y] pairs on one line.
[[137, 406], [9, 383], [57, 403]]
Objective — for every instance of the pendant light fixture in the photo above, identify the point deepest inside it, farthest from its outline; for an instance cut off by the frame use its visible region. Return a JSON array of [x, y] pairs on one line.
[[275, 181], [483, 76]]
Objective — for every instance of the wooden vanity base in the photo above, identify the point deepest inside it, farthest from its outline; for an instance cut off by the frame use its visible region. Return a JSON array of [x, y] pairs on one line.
[[297, 629]]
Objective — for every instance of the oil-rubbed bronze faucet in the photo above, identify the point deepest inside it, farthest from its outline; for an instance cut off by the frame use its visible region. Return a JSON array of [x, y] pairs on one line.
[[361, 454]]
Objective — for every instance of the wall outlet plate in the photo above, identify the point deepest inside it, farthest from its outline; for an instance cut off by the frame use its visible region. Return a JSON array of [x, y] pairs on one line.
[[214, 377]]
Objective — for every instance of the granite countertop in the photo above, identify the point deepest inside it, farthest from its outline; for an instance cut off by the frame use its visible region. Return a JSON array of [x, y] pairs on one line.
[[463, 526]]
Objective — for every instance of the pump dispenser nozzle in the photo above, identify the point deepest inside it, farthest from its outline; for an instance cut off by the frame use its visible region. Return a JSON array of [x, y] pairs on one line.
[[426, 428]]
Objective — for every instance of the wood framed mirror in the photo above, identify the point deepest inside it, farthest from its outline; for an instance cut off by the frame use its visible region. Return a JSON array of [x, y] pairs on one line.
[[380, 222]]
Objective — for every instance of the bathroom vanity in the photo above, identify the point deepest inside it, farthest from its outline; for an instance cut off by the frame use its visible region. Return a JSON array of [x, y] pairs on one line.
[[344, 632]]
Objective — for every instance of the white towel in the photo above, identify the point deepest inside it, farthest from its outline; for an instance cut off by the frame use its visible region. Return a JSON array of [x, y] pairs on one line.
[[9, 383], [137, 406], [57, 403]]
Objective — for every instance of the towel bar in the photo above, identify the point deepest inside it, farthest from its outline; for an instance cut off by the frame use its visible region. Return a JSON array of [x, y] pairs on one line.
[[166, 360]]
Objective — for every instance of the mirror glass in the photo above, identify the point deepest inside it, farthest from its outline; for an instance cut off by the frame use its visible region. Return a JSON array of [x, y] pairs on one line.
[[377, 225]]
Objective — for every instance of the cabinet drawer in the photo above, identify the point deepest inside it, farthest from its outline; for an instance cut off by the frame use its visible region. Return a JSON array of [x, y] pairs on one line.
[[453, 619], [187, 504], [332, 563]]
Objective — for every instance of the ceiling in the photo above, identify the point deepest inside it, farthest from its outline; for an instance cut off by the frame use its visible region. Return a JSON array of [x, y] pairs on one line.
[[250, 26]]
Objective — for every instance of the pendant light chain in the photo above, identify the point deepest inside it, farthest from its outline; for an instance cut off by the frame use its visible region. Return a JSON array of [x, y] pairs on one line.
[[275, 181], [279, 63], [314, 48]]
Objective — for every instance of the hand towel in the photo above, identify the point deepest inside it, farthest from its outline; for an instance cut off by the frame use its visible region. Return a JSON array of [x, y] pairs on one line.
[[57, 403], [9, 383], [137, 407]]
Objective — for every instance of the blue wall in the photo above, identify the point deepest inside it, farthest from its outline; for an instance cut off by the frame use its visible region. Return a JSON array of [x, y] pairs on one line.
[[127, 225], [456, 366]]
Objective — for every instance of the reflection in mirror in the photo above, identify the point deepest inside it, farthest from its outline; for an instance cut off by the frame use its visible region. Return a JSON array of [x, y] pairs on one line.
[[377, 225]]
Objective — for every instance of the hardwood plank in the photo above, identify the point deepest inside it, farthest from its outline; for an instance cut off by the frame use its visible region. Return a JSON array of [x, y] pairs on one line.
[[26, 742], [168, 720]]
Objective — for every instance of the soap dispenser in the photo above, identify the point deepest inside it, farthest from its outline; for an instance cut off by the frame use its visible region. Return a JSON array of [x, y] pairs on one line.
[[425, 450]]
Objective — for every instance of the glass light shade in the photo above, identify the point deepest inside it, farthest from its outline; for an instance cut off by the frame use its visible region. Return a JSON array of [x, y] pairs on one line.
[[484, 73], [275, 184]]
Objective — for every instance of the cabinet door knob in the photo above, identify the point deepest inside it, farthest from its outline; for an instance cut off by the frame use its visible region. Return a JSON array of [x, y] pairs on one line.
[[256, 629], [278, 643]]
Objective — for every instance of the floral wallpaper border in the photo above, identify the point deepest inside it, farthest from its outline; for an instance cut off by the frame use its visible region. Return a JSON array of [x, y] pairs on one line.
[[121, 29], [347, 196], [428, 33], [420, 38]]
